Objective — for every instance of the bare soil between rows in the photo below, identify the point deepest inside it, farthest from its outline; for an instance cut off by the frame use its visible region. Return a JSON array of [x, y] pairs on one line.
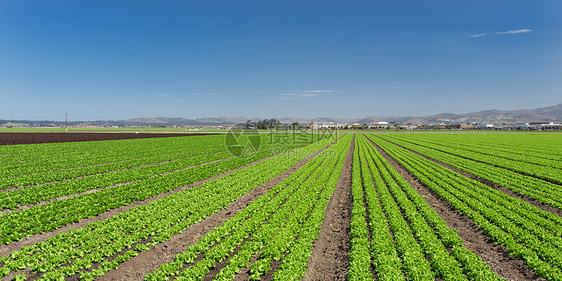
[[33, 138], [329, 260], [474, 238], [148, 261], [30, 240], [94, 190], [503, 189]]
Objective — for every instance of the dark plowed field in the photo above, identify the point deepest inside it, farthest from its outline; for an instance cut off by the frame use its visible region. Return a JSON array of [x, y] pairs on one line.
[[30, 138]]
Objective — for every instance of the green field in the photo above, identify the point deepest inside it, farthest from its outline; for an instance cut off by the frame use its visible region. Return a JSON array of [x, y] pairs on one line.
[[255, 206]]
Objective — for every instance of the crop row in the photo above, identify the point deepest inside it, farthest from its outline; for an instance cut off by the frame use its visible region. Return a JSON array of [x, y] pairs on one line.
[[18, 224], [60, 159], [544, 169], [540, 190], [529, 233], [279, 226], [525, 144], [119, 237], [509, 148], [33, 194], [95, 169], [49, 157], [420, 236]]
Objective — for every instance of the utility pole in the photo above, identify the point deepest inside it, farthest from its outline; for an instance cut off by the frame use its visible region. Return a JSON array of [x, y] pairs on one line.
[[141, 125], [66, 122]]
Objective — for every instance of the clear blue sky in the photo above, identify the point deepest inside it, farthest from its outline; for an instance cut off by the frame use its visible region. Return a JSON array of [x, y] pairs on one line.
[[347, 59]]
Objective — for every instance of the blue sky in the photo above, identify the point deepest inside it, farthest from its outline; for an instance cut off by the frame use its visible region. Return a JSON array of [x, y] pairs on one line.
[[116, 59]]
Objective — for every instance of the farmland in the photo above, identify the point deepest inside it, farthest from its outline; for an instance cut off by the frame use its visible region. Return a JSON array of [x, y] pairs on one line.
[[322, 206]]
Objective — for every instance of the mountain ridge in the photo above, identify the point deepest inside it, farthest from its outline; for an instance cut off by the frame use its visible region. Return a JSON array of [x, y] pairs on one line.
[[543, 114], [494, 116]]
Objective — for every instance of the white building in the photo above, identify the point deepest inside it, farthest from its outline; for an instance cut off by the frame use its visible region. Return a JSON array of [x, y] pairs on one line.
[[485, 126], [324, 125], [382, 124]]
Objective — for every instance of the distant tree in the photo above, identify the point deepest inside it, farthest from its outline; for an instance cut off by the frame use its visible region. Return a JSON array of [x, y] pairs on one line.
[[295, 125], [268, 124], [249, 125]]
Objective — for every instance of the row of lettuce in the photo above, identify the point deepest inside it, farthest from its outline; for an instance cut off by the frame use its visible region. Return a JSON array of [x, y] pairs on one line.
[[529, 233], [47, 158], [544, 164], [395, 234], [544, 191], [74, 200], [103, 244], [42, 163], [279, 226]]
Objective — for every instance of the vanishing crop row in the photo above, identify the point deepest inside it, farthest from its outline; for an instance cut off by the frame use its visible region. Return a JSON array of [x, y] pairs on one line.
[[417, 247], [502, 160], [267, 228], [428, 227], [18, 224], [70, 253], [96, 169], [49, 157], [525, 144], [33, 194], [540, 190], [56, 159], [528, 233], [484, 145]]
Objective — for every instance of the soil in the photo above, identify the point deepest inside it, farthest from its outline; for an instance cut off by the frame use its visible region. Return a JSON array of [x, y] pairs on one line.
[[45, 202], [148, 261], [329, 260], [31, 138], [164, 252], [503, 189], [30, 240], [474, 239]]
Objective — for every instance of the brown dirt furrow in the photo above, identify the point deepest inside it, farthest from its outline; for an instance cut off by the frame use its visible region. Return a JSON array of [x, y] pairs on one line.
[[106, 172], [503, 189], [33, 138], [329, 258], [245, 273], [500, 167], [30, 240], [148, 261], [23, 207], [15, 246], [123, 169], [474, 239]]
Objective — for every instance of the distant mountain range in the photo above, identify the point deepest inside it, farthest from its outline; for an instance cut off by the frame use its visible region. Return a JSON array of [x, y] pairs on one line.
[[494, 116], [545, 114]]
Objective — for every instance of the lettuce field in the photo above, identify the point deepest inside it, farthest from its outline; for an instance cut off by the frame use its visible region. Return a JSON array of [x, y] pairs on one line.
[[278, 206]]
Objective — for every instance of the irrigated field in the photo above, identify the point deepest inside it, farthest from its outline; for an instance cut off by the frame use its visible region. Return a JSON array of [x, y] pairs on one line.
[[284, 207]]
